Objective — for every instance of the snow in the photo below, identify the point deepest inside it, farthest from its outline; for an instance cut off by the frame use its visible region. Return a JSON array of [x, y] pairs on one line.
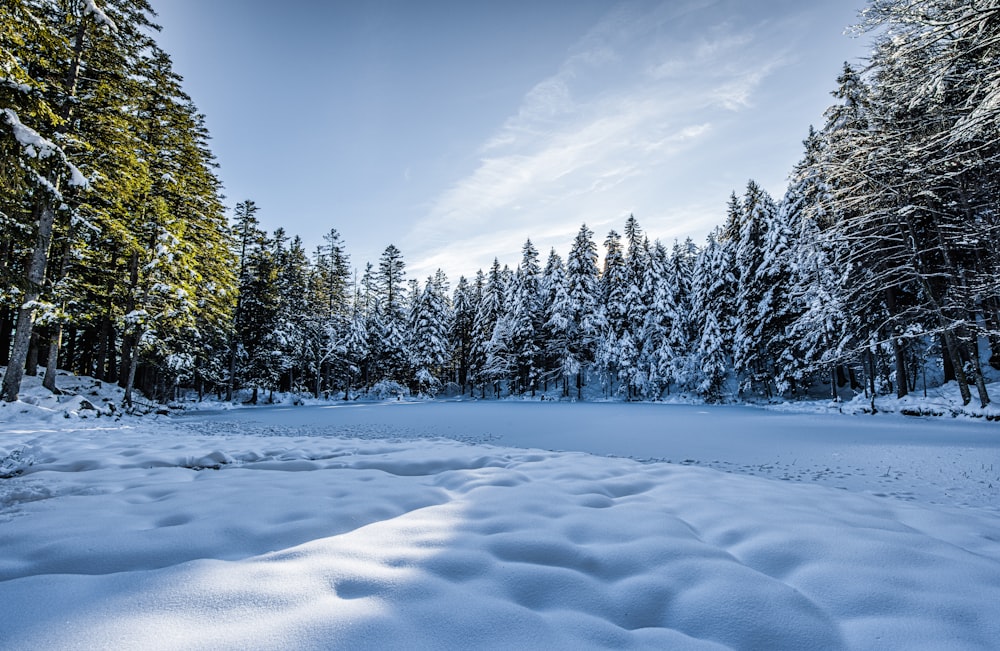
[[35, 145], [101, 18], [453, 525]]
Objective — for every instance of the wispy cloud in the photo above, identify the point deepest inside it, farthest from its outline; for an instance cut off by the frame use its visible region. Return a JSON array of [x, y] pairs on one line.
[[597, 139]]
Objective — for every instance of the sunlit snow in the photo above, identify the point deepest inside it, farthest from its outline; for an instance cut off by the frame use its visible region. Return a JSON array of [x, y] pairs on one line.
[[411, 526]]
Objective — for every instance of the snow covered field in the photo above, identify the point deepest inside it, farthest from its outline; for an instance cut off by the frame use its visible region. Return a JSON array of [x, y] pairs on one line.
[[408, 526]]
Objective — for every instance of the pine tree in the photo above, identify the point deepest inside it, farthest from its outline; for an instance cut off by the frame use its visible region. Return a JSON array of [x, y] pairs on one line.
[[247, 233], [614, 289], [635, 374], [393, 363], [656, 351], [755, 302], [677, 362], [932, 107], [813, 303], [586, 318], [713, 290], [43, 171], [556, 314], [367, 304], [465, 302], [525, 321], [259, 318], [429, 327], [294, 310], [489, 312], [332, 280]]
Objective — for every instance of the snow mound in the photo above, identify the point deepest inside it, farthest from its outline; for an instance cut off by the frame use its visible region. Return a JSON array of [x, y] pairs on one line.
[[944, 400], [79, 397]]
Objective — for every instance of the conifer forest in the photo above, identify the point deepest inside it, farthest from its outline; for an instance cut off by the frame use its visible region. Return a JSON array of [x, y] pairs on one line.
[[877, 271]]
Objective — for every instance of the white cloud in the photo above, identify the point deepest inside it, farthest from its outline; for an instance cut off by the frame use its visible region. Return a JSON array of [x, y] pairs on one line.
[[600, 138], [737, 93]]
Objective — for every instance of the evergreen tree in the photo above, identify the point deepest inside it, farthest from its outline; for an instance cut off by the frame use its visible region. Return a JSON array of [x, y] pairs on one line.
[[489, 312], [247, 233], [677, 362], [556, 313], [367, 304], [294, 310], [429, 335], [586, 320], [614, 290], [635, 372], [259, 318], [813, 302], [657, 353], [394, 360], [755, 299], [525, 321], [465, 302], [713, 289], [47, 76]]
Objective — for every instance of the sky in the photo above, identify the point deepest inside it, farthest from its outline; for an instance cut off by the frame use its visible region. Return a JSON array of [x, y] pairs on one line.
[[456, 130]]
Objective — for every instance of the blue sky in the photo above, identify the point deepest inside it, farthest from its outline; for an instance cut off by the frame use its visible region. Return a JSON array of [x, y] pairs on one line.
[[456, 130]]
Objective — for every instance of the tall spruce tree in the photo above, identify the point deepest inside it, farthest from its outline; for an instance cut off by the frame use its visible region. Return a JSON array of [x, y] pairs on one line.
[[525, 321], [587, 320]]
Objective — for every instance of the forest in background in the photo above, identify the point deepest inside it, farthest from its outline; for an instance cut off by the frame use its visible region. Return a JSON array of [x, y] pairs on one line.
[[877, 266]]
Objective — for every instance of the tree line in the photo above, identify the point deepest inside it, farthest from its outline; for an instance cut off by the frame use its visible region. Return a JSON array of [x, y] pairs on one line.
[[878, 263], [116, 257]]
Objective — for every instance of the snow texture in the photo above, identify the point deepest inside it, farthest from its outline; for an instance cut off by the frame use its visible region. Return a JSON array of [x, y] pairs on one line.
[[405, 525]]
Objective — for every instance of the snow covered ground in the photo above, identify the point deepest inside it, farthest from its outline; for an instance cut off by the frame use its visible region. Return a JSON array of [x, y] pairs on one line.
[[455, 526]]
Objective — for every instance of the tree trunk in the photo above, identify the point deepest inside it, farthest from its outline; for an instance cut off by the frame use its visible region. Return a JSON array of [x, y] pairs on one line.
[[231, 380], [129, 340], [52, 363], [902, 384], [871, 378], [956, 360], [31, 365], [102, 348], [133, 363], [947, 366], [26, 314], [977, 370]]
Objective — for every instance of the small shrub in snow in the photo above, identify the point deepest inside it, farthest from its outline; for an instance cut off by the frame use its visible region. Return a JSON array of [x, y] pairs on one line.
[[387, 390]]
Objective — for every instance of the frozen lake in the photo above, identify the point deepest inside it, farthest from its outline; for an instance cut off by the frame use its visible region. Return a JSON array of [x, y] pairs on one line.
[[935, 460]]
